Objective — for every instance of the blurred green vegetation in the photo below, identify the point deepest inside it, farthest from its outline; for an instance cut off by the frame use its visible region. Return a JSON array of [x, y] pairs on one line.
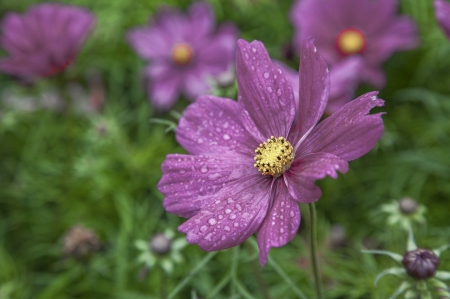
[[69, 164]]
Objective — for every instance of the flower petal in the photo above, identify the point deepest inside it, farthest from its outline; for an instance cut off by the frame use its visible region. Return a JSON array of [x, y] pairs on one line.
[[264, 92], [216, 54], [195, 83], [344, 78], [350, 132], [442, 14], [281, 223], [164, 88], [314, 89], [202, 19], [212, 125], [232, 215], [306, 170], [187, 180]]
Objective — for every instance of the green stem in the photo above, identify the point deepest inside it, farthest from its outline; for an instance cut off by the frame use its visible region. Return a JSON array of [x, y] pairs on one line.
[[314, 253]]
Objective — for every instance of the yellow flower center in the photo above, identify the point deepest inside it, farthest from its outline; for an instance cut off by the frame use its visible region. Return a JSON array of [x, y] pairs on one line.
[[274, 156], [351, 41], [181, 54]]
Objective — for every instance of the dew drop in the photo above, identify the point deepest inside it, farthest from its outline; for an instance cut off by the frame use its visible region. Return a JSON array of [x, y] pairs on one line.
[[226, 228], [279, 92], [227, 211], [269, 89], [232, 216], [203, 228], [226, 137], [214, 176], [235, 224], [245, 215], [212, 221], [266, 75], [204, 169], [238, 207], [199, 140], [281, 230], [292, 214], [253, 49], [220, 216], [223, 237]]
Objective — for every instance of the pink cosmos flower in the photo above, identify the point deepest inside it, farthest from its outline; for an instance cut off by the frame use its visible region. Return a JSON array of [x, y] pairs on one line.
[[184, 52], [369, 28], [442, 13], [344, 79], [251, 162], [44, 40]]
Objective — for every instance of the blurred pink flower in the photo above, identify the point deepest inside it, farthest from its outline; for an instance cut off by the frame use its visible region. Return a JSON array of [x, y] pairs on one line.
[[251, 162], [184, 52], [442, 13], [44, 40], [368, 28]]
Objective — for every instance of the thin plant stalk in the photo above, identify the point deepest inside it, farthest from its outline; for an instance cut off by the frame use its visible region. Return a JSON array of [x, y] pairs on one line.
[[314, 253]]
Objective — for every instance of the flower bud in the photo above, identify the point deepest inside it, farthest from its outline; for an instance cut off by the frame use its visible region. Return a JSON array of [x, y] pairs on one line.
[[408, 205], [420, 263], [80, 242], [160, 244]]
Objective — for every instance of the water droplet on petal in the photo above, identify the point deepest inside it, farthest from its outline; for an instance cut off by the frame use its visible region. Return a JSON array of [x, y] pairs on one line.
[[199, 140], [269, 89], [227, 211], [203, 228], [223, 237], [214, 176], [266, 75], [232, 216], [220, 216], [253, 49], [226, 228], [226, 137], [281, 230], [238, 207], [204, 169], [212, 221], [235, 224], [279, 92]]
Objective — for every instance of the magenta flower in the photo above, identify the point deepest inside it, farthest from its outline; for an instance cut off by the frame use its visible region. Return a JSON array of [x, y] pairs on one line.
[[344, 79], [442, 13], [184, 52], [369, 28], [44, 40], [250, 162]]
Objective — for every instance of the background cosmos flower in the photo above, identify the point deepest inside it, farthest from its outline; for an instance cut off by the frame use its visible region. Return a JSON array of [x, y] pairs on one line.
[[344, 78], [250, 162], [44, 40], [184, 52], [369, 28], [442, 13]]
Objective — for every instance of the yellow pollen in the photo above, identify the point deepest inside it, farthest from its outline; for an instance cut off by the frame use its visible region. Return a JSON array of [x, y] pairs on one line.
[[274, 156], [181, 54], [351, 41]]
